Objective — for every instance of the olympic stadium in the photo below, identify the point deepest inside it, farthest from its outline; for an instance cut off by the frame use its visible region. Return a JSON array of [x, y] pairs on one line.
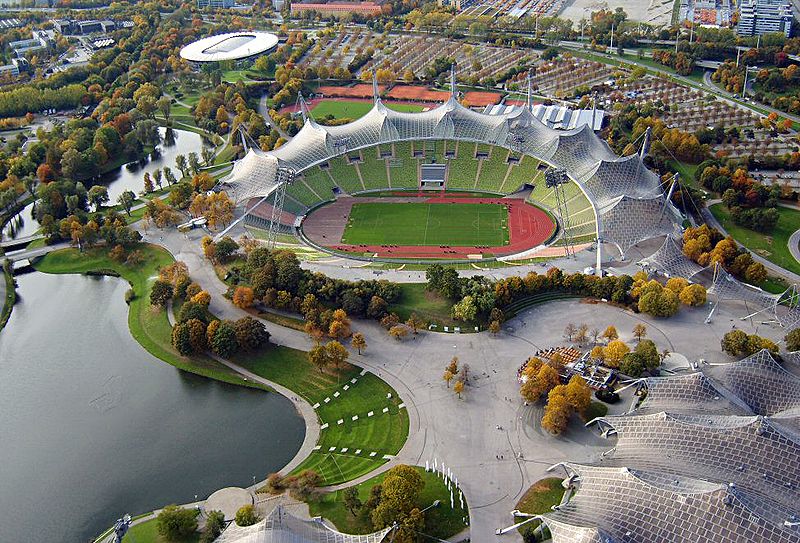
[[236, 46], [468, 186]]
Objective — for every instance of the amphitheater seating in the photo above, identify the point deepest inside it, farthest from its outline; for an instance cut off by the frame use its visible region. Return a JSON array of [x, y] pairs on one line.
[[320, 182], [493, 171], [300, 192], [403, 168], [525, 171], [463, 169], [293, 206], [373, 170], [345, 174]]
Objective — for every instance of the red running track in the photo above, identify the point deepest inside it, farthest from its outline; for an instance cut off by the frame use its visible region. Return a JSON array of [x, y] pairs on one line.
[[528, 227]]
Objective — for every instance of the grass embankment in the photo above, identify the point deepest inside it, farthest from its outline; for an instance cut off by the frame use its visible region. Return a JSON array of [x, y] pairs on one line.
[[383, 433], [539, 499], [148, 325], [774, 247], [10, 298], [440, 522], [353, 109]]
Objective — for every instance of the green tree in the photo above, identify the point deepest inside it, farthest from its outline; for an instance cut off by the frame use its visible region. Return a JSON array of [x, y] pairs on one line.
[[175, 523], [126, 200], [351, 500], [215, 523], [734, 343], [465, 310], [98, 195], [246, 515], [224, 342]]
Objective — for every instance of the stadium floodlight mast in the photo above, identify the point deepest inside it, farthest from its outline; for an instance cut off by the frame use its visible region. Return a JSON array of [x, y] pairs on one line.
[[555, 179]]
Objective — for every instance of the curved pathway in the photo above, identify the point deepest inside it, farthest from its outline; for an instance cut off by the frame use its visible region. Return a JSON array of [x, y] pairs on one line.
[[491, 441], [794, 245]]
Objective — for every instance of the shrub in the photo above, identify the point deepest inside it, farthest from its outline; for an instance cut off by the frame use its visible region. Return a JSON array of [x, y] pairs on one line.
[[793, 340], [175, 523], [246, 516]]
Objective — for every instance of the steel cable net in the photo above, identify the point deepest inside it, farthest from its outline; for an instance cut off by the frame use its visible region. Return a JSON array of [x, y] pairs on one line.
[[690, 393], [753, 453], [282, 527], [628, 506], [785, 307], [760, 382], [254, 175], [669, 259], [627, 221], [626, 176]]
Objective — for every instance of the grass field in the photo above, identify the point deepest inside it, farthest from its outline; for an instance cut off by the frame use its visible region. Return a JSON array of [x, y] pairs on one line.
[[773, 247], [440, 522], [382, 433], [351, 109], [462, 225]]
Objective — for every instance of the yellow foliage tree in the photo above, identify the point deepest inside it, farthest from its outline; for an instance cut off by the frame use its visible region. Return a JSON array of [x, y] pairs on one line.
[[614, 352]]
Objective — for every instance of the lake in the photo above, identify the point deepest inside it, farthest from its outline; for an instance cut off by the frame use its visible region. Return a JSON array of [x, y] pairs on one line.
[[93, 426]]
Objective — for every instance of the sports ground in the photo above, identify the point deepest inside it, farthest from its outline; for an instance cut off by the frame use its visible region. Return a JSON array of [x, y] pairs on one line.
[[423, 226], [464, 225]]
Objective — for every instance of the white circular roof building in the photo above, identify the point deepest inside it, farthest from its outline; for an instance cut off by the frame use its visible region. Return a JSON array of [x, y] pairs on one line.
[[231, 46]]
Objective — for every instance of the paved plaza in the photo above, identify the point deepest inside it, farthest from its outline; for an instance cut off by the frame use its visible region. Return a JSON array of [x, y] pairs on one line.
[[492, 442]]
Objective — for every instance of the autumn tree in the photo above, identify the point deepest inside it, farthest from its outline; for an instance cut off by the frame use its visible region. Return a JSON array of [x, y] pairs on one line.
[[447, 377], [614, 352], [398, 331], [610, 334], [693, 295], [415, 323], [569, 331], [557, 411], [639, 331], [243, 297], [458, 388], [359, 342], [337, 353], [318, 356], [578, 394]]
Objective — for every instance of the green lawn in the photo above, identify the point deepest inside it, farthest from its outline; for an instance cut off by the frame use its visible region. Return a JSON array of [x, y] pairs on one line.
[[351, 109], [462, 225], [540, 498], [148, 325], [431, 307], [147, 532], [440, 522], [773, 247], [381, 433]]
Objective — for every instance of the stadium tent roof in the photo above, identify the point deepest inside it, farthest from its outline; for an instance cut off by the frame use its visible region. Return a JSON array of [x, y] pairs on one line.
[[230, 46], [620, 190], [713, 454], [282, 527], [623, 505]]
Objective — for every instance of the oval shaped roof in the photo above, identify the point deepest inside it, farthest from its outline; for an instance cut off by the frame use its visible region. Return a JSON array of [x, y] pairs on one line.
[[231, 46]]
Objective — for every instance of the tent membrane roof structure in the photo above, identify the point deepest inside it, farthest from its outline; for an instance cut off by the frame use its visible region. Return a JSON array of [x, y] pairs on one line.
[[230, 46], [627, 198], [281, 526], [707, 457]]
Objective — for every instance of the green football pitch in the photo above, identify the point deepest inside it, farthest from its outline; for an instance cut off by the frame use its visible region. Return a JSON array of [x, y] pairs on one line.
[[456, 225]]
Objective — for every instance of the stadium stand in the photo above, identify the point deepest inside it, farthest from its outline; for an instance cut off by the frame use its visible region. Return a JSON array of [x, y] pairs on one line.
[[493, 171], [320, 182], [463, 169], [373, 170], [403, 168], [345, 174]]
